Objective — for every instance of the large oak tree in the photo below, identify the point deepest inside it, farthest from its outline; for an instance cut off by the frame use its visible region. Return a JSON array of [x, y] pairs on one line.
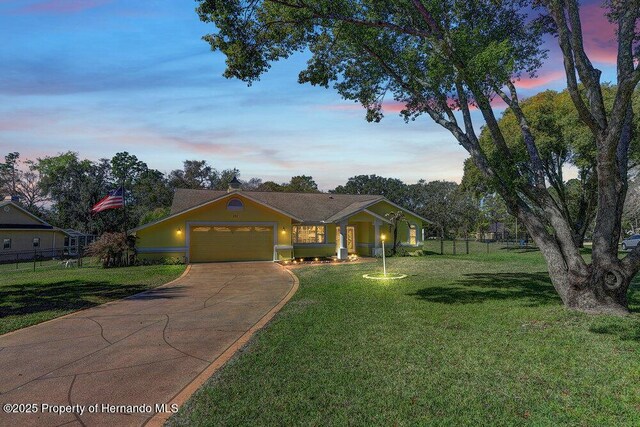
[[444, 57]]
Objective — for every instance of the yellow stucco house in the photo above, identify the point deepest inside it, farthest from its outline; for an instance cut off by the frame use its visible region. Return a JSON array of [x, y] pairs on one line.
[[22, 234], [236, 225]]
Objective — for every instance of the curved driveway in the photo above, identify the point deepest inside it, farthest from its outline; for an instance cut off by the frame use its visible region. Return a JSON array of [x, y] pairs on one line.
[[152, 348]]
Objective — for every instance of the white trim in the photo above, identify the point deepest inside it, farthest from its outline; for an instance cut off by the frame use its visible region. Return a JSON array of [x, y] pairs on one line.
[[188, 225], [161, 250], [407, 210], [375, 215], [217, 199]]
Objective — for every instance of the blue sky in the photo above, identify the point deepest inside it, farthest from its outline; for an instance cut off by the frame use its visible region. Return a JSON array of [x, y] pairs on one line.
[[102, 76]]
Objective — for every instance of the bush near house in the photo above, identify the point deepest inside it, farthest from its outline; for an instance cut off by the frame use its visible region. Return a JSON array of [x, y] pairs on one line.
[[112, 249]]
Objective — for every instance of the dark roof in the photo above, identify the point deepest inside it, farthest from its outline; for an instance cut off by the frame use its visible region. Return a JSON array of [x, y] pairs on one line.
[[309, 207], [26, 226]]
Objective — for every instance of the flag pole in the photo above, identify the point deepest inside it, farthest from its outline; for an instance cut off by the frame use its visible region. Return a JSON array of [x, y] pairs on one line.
[[124, 214], [124, 208]]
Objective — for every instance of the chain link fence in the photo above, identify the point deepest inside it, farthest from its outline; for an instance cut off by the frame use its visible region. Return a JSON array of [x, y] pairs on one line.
[[472, 246], [42, 259]]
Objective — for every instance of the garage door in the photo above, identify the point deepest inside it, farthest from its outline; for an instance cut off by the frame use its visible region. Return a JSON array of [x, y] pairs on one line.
[[230, 243]]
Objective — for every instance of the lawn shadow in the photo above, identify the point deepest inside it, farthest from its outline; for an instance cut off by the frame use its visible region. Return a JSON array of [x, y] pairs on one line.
[[626, 331], [520, 249], [534, 288], [31, 298]]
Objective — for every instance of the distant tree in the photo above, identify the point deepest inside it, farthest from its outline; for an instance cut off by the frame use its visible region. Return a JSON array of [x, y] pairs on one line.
[[73, 186], [148, 193], [252, 184], [154, 215], [126, 169], [31, 195], [392, 188], [9, 174], [270, 186], [18, 178], [301, 184], [195, 174], [445, 204], [493, 212], [198, 174]]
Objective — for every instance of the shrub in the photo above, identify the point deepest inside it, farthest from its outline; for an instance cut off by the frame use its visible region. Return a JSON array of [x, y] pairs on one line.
[[112, 249]]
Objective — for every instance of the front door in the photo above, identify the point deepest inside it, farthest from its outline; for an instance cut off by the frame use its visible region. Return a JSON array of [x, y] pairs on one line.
[[351, 239]]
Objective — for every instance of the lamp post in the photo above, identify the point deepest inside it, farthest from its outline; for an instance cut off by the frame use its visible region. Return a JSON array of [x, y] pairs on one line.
[[384, 260]]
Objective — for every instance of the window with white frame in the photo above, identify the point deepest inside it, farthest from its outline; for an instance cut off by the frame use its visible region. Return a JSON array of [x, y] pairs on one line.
[[308, 234], [413, 235], [6, 244], [36, 242]]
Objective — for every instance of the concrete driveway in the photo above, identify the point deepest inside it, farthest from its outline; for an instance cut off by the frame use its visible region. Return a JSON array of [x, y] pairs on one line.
[[151, 349]]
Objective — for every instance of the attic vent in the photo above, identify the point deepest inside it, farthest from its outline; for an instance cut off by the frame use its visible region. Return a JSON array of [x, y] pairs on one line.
[[235, 205]]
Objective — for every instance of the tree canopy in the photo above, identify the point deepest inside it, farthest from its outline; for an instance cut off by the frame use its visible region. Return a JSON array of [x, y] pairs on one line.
[[439, 57]]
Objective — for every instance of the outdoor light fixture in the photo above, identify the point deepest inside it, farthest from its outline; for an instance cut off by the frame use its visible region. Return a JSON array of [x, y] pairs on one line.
[[179, 231], [284, 231]]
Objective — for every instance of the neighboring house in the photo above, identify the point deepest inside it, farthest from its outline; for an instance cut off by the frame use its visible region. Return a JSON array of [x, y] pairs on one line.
[[22, 234], [234, 225], [495, 231]]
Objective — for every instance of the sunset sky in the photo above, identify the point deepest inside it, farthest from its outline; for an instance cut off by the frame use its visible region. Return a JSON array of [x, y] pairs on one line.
[[102, 76]]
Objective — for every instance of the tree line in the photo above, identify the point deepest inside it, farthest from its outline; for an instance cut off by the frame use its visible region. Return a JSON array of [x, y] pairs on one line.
[[63, 188]]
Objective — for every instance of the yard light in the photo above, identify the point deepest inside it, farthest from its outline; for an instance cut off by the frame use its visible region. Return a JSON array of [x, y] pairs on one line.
[[384, 260]]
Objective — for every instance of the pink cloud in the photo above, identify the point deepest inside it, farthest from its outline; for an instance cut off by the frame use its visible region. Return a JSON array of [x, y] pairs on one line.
[[542, 80], [599, 34], [61, 6]]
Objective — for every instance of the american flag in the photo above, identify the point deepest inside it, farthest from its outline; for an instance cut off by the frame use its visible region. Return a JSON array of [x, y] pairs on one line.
[[113, 200]]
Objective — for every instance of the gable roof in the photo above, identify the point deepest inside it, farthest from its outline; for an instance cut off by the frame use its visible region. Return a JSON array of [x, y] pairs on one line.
[[306, 207], [302, 207], [42, 224]]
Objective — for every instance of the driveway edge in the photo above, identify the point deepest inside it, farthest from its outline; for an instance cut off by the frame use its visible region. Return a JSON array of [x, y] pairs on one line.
[[159, 419], [73, 313]]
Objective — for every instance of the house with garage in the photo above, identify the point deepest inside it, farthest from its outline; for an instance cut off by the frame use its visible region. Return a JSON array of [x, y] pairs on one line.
[[23, 234], [237, 225]]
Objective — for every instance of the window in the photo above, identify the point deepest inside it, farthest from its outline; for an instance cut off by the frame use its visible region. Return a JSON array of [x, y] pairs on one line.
[[413, 235], [66, 241], [235, 205], [36, 242], [308, 233], [6, 244]]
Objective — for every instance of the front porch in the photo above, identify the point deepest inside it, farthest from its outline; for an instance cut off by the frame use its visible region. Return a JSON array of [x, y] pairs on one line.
[[359, 234]]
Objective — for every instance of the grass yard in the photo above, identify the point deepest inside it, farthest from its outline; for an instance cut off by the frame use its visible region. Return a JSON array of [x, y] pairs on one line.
[[465, 340], [28, 297]]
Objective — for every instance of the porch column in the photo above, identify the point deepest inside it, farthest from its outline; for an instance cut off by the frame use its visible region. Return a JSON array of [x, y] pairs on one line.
[[342, 250], [377, 250]]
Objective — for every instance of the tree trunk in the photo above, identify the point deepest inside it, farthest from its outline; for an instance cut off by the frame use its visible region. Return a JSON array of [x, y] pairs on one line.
[[597, 288], [395, 239]]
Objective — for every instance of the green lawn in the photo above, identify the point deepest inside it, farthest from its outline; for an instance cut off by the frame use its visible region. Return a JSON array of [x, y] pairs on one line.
[[466, 340], [30, 297]]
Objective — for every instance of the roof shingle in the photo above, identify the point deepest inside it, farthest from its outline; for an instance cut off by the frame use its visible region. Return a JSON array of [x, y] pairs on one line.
[[310, 207]]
